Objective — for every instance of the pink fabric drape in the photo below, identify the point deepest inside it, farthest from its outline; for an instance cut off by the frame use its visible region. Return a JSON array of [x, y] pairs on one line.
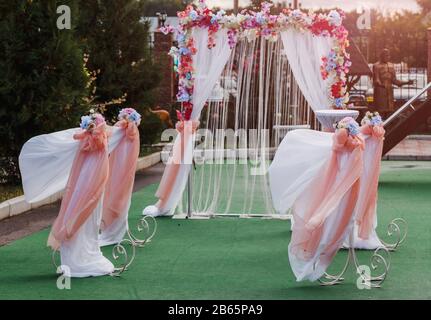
[[83, 191], [186, 130], [367, 202], [122, 164], [323, 198]]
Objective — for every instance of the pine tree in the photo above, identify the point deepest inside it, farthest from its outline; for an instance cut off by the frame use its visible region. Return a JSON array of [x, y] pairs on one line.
[[42, 77], [117, 41]]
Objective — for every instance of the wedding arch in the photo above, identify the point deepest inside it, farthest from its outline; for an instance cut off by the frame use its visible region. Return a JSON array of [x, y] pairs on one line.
[[244, 81]]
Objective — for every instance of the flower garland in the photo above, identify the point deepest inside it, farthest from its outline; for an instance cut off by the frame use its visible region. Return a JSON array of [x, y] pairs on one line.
[[372, 119], [350, 124], [91, 121], [131, 115], [250, 24]]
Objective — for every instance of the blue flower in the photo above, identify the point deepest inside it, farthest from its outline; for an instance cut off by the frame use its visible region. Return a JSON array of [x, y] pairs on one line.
[[85, 122], [353, 128], [181, 37], [184, 51], [183, 97], [376, 120], [135, 117], [189, 76], [193, 15], [339, 102]]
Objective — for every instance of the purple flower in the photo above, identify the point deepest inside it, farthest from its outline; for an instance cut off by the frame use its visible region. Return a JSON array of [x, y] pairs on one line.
[[183, 97]]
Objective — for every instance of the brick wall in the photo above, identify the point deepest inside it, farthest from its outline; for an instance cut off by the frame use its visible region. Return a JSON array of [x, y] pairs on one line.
[[429, 54], [165, 93]]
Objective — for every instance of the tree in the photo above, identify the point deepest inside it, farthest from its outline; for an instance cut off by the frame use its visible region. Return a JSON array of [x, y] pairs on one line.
[[171, 7], [425, 5], [117, 40], [43, 81]]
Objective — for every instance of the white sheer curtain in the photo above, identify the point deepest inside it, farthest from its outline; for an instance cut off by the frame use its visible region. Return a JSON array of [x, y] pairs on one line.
[[46, 160], [304, 52], [208, 65]]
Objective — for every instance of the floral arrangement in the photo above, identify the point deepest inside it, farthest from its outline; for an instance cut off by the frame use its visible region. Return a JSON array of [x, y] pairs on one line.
[[91, 121], [372, 119], [350, 124], [250, 24], [131, 115]]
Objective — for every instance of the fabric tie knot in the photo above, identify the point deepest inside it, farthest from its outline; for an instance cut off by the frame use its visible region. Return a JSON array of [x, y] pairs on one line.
[[92, 140]]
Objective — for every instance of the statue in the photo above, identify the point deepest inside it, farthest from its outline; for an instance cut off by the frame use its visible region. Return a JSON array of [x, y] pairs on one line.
[[383, 81]]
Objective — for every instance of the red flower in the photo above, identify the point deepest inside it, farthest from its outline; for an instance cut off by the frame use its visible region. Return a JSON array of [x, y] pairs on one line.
[[336, 90], [320, 25]]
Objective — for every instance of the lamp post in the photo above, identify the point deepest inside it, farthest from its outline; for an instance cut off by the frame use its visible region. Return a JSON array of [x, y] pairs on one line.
[[162, 17], [235, 6]]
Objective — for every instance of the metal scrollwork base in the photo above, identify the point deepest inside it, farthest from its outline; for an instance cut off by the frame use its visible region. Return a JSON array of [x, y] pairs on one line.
[[380, 260], [147, 228], [120, 250], [397, 229], [125, 251]]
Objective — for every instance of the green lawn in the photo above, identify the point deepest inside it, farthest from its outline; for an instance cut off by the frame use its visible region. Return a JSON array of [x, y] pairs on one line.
[[236, 258]]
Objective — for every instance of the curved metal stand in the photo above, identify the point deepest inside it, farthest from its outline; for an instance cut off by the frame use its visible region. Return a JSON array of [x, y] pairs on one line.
[[380, 258], [398, 230], [120, 250], [54, 259], [146, 226]]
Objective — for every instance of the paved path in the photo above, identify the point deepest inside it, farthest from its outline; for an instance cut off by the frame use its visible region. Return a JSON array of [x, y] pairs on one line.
[[413, 148], [39, 219]]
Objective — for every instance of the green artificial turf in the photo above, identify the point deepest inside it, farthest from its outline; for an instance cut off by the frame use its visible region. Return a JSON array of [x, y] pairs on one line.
[[236, 258]]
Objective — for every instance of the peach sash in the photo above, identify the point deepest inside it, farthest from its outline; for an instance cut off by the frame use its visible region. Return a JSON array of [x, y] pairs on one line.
[[186, 129], [122, 167], [85, 186], [367, 203], [324, 211]]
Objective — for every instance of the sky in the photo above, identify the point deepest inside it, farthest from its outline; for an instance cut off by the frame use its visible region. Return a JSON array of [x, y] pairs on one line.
[[347, 5]]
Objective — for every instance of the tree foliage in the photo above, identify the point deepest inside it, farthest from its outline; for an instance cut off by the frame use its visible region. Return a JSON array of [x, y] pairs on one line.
[[43, 81]]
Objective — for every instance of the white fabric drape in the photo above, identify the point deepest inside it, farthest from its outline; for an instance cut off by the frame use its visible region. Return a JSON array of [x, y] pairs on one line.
[[115, 233], [304, 52], [299, 160], [208, 65], [46, 160], [81, 256]]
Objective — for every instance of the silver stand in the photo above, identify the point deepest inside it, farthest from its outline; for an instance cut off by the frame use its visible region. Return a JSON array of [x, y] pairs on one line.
[[189, 194], [397, 229], [380, 257], [126, 249]]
